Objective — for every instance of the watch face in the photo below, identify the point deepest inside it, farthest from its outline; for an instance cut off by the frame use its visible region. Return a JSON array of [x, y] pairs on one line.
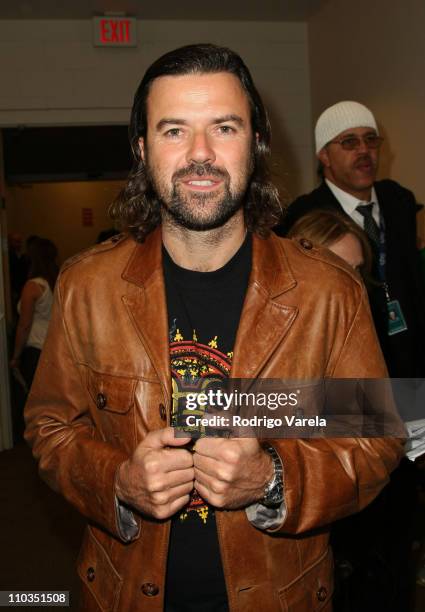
[[275, 496]]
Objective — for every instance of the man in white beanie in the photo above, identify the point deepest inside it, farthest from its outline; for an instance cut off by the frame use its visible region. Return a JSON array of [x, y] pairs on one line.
[[347, 147], [374, 545]]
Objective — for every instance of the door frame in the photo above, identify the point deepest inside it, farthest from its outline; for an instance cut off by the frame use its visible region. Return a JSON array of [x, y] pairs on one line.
[[6, 428]]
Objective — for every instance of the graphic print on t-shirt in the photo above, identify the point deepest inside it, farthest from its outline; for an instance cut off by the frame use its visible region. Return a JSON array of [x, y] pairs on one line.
[[210, 303], [194, 366]]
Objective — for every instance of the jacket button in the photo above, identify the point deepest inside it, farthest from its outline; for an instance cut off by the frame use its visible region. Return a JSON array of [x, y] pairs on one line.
[[162, 412], [101, 401], [150, 589], [322, 593], [91, 574], [306, 244]]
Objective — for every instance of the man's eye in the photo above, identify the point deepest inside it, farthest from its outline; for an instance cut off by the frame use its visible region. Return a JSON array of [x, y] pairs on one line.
[[350, 143], [173, 133], [226, 129], [372, 139]]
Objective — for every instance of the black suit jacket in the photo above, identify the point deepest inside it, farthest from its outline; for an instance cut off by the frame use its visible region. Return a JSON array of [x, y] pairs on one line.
[[404, 352]]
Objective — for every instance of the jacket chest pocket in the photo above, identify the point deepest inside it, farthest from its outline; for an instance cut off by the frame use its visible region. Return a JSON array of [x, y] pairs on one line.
[[113, 407]]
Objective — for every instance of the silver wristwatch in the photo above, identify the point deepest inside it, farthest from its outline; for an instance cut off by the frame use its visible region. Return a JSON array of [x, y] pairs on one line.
[[273, 491]]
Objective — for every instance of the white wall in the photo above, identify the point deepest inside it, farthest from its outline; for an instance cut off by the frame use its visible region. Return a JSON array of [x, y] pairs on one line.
[[51, 74], [374, 52]]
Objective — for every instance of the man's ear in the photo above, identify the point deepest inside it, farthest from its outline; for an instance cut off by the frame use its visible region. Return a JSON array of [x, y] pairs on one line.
[[142, 148], [323, 156]]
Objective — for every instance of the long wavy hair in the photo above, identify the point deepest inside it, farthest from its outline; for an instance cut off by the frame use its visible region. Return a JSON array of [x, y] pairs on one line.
[[137, 208]]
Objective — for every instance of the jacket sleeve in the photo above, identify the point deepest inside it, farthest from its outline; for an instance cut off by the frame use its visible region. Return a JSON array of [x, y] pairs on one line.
[[73, 459], [328, 478]]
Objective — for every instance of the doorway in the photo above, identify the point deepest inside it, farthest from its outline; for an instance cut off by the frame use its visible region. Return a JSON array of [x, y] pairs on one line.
[[57, 183]]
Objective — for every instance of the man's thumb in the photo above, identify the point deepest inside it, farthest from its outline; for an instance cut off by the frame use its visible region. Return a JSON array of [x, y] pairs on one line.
[[166, 437]]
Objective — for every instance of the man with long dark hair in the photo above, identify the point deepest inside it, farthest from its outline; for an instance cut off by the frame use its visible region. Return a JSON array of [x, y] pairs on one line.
[[194, 290], [141, 205]]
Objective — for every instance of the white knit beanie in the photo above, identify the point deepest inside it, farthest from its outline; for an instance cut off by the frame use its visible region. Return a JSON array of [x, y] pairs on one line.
[[341, 117]]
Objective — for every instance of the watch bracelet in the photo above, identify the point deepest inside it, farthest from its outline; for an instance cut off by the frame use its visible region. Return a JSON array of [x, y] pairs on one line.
[[277, 477]]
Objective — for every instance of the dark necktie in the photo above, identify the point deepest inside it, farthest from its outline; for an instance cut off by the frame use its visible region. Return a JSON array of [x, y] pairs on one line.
[[370, 226]]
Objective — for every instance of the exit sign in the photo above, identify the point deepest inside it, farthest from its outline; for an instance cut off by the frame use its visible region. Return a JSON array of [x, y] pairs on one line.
[[114, 31]]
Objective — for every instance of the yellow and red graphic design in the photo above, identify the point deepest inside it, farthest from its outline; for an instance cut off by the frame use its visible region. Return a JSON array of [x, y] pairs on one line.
[[194, 366]]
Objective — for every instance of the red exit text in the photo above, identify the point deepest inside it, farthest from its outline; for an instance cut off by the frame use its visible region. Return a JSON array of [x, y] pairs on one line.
[[114, 31]]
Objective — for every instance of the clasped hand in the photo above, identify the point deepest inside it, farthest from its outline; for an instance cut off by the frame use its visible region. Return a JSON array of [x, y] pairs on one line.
[[158, 479]]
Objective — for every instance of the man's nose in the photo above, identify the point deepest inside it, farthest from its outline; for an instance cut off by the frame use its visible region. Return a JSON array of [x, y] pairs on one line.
[[200, 149], [363, 147]]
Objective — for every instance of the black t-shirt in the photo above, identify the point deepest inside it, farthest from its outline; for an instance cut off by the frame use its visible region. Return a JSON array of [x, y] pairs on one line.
[[204, 309]]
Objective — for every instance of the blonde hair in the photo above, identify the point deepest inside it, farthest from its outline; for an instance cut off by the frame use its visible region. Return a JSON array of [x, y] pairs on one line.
[[325, 227]]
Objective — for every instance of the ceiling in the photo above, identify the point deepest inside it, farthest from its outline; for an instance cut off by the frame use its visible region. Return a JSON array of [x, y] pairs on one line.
[[217, 10]]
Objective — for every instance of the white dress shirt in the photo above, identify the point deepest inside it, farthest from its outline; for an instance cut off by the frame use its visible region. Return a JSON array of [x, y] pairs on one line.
[[349, 204]]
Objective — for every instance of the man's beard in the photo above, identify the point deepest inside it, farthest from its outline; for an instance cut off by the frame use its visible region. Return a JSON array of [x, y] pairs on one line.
[[185, 209]]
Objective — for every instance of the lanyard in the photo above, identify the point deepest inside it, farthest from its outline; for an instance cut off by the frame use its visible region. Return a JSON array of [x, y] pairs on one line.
[[395, 319], [382, 251], [382, 257]]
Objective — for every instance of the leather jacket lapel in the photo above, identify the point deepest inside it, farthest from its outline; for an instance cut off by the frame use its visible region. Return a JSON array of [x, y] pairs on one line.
[[146, 305], [264, 321]]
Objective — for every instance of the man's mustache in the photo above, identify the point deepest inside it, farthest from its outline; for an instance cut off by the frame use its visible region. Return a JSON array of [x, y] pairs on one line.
[[199, 170], [362, 159]]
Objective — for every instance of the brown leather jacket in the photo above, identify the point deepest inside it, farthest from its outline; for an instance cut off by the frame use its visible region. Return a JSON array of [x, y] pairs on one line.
[[104, 381]]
